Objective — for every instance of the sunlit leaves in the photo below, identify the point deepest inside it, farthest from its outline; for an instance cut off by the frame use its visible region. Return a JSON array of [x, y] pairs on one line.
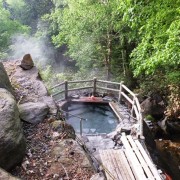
[[160, 43]]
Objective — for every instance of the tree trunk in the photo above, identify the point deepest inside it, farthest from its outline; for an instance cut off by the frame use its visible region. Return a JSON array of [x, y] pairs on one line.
[[108, 57]]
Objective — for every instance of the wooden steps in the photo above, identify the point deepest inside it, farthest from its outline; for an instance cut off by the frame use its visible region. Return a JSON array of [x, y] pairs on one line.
[[129, 163], [116, 165]]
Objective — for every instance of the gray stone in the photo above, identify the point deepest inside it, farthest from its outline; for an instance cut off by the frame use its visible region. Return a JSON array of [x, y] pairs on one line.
[[4, 79], [60, 150], [27, 62], [12, 142], [33, 112], [6, 176], [151, 107], [51, 104]]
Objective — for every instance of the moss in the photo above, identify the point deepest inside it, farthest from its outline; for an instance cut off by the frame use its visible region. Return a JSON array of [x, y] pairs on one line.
[[149, 117]]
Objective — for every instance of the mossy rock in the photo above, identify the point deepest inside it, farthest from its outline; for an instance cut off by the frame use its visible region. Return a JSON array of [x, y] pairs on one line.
[[149, 118]]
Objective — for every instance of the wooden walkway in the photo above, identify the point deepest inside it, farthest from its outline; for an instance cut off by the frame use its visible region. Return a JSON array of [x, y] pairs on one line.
[[130, 163], [114, 106]]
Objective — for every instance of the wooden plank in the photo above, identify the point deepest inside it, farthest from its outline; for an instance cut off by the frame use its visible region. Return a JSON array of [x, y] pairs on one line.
[[117, 164], [114, 166], [137, 103], [90, 99], [75, 89], [115, 110], [148, 160], [106, 165], [136, 112], [136, 167], [125, 165], [80, 81], [141, 159], [128, 90], [58, 85], [129, 99]]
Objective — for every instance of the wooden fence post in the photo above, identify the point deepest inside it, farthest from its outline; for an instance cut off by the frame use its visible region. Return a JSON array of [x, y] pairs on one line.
[[133, 106], [120, 90], [66, 90], [94, 86]]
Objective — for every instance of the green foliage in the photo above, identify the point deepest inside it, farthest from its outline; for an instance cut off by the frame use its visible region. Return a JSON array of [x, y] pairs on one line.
[[92, 30], [159, 47], [8, 28]]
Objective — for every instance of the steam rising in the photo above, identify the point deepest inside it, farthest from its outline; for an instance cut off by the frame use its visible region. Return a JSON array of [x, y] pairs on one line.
[[41, 53]]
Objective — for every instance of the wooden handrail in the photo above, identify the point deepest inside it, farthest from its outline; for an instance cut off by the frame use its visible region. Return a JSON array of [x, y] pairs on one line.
[[108, 82], [58, 85], [80, 81]]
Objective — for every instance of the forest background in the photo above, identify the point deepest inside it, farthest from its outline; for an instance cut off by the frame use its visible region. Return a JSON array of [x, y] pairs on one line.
[[135, 41]]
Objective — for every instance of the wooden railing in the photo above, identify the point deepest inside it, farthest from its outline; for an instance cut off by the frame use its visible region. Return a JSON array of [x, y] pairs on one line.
[[124, 94]]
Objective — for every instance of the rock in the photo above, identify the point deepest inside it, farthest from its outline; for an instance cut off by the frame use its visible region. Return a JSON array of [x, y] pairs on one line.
[[63, 127], [60, 150], [151, 107], [169, 152], [30, 86], [51, 104], [173, 126], [6, 176], [12, 142], [33, 112], [4, 79], [27, 62]]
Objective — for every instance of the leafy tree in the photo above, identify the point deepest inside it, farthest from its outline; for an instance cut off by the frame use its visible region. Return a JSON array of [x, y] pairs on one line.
[[94, 32], [8, 28], [159, 30]]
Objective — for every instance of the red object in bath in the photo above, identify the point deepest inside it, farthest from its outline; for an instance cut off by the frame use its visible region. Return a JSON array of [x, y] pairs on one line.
[[93, 98], [168, 177]]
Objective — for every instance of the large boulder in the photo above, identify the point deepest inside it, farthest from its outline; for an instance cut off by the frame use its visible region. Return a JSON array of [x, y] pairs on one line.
[[169, 154], [6, 176], [4, 79], [29, 86], [153, 107], [12, 142], [33, 112]]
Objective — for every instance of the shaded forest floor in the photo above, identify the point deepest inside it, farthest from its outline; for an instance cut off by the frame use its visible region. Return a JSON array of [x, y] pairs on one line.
[[38, 161]]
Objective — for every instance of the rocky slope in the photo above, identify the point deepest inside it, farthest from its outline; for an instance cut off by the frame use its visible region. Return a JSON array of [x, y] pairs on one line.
[[51, 152]]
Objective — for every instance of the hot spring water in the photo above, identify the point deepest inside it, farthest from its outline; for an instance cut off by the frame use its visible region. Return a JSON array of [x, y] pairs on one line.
[[97, 118]]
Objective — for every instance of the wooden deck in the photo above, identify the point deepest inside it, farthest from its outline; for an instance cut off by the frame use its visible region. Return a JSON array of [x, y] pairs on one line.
[[90, 100], [114, 106], [116, 165], [129, 163]]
